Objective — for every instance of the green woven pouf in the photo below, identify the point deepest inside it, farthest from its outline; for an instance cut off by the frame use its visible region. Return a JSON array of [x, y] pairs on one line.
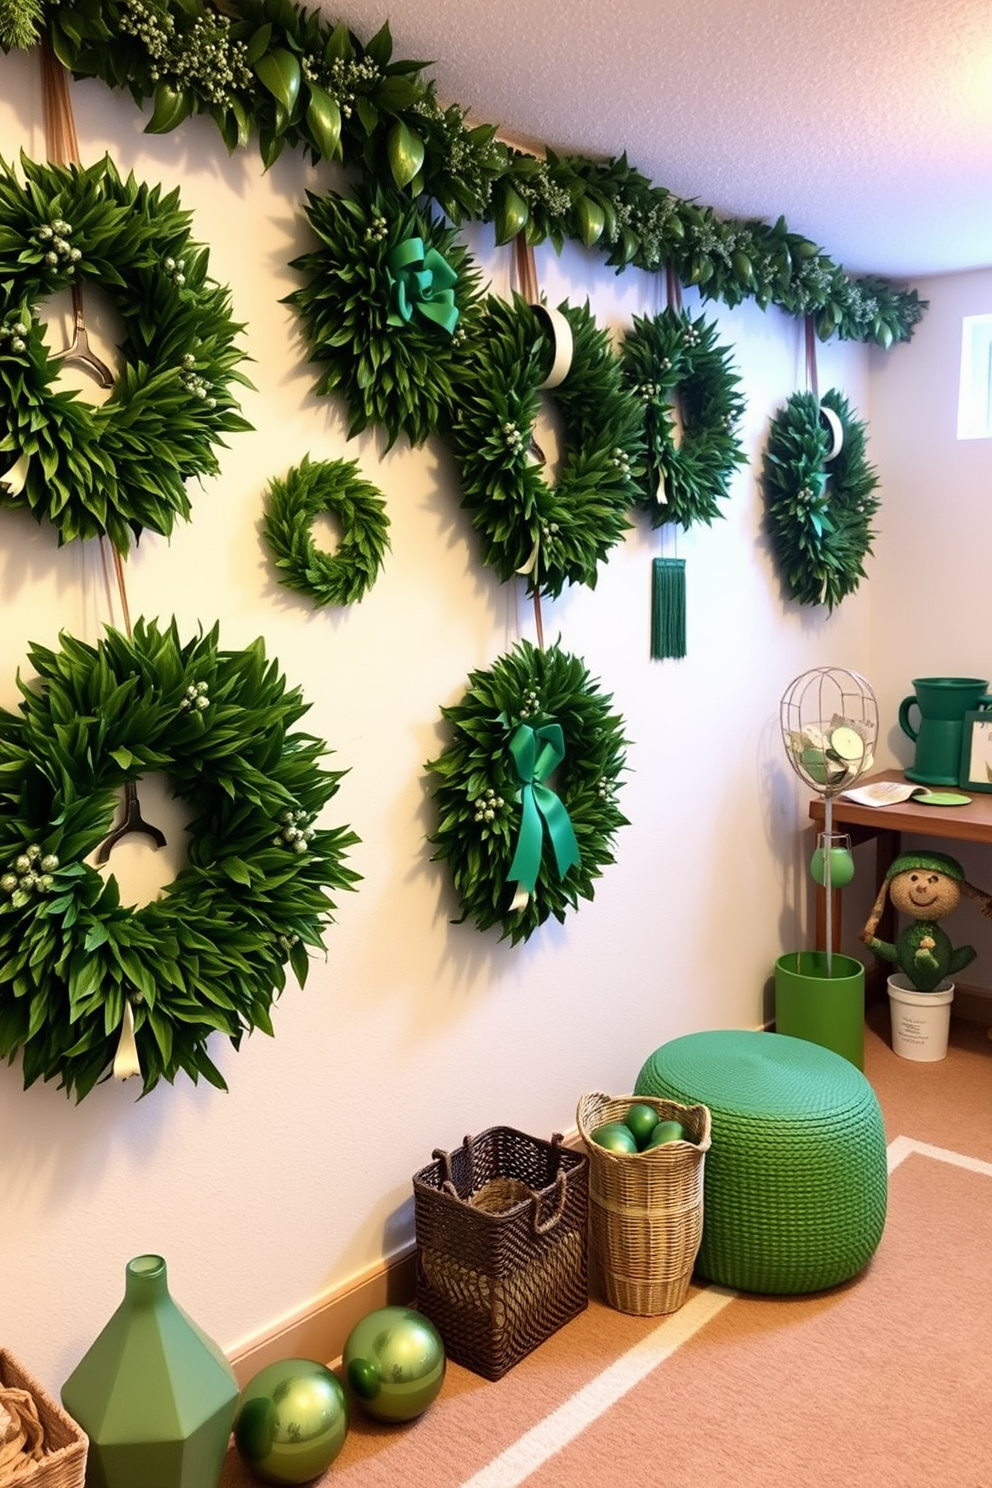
[[796, 1177]]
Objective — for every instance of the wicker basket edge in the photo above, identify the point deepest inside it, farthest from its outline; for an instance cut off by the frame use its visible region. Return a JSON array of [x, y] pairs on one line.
[[597, 1103], [65, 1465]]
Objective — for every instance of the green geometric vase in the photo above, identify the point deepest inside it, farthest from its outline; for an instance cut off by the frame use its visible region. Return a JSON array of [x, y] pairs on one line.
[[156, 1397]]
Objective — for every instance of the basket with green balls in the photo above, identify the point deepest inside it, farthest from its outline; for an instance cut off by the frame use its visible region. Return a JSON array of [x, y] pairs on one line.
[[646, 1157]]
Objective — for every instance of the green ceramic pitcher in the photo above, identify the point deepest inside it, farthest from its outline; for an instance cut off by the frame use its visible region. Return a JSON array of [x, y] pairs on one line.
[[942, 703], [156, 1397]]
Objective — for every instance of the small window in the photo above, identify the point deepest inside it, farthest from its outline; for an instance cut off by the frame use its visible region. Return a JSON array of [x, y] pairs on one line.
[[975, 395]]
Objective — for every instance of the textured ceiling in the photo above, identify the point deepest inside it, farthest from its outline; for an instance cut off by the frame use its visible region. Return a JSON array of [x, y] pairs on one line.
[[866, 123]]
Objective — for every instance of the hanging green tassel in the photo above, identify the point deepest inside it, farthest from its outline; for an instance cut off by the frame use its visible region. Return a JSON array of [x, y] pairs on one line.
[[667, 608]]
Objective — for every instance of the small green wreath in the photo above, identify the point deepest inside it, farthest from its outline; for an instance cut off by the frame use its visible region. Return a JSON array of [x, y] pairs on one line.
[[331, 487], [525, 791], [818, 512], [555, 534], [209, 955], [122, 466], [673, 357], [388, 298]]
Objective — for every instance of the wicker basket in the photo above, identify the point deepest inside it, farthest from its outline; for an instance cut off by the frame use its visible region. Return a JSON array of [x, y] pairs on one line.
[[645, 1208], [502, 1245], [63, 1460]]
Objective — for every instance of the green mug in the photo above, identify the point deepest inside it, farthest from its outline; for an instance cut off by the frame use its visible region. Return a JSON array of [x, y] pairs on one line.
[[942, 703]]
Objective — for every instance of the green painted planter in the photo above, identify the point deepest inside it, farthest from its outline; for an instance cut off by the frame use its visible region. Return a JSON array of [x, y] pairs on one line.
[[156, 1397], [825, 1010]]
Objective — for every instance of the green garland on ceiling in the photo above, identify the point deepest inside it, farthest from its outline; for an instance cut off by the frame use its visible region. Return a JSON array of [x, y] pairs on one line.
[[120, 466], [210, 954], [818, 510], [279, 71], [525, 790]]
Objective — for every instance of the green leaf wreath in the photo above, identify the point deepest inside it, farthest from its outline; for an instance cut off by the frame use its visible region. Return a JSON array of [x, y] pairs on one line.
[[386, 324], [672, 358], [532, 738], [210, 954], [328, 487], [818, 514], [283, 75], [121, 466], [556, 534]]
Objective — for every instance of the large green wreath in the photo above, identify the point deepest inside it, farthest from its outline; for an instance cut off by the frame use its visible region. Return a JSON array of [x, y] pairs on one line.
[[331, 487], [525, 791], [556, 534], [388, 299], [121, 466], [672, 356], [818, 513], [210, 954]]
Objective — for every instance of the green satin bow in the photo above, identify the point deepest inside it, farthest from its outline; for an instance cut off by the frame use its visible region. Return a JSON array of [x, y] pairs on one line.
[[421, 281], [536, 753]]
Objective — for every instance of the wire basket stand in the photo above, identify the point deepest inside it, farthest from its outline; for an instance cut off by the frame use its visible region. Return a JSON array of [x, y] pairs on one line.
[[829, 721]]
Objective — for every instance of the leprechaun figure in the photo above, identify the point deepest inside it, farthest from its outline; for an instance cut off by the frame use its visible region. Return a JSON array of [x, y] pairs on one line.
[[926, 886]]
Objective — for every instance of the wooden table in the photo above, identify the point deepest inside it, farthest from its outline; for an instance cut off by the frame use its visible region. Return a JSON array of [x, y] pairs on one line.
[[885, 825]]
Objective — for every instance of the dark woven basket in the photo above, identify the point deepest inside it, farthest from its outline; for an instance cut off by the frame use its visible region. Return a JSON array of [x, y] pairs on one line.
[[501, 1245]]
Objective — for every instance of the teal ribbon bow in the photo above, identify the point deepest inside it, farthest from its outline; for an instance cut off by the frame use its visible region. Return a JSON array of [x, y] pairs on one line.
[[536, 753], [421, 282]]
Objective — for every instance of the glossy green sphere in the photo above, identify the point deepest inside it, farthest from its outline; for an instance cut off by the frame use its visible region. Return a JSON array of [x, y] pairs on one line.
[[292, 1421], [666, 1131], [841, 866], [614, 1136], [394, 1363], [641, 1119]]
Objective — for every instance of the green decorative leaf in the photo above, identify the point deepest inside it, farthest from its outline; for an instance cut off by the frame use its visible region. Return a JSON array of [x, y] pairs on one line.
[[170, 107], [324, 120], [512, 213], [592, 220], [279, 72], [405, 150]]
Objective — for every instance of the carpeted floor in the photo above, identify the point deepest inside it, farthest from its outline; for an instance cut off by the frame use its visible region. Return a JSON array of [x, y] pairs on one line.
[[882, 1382]]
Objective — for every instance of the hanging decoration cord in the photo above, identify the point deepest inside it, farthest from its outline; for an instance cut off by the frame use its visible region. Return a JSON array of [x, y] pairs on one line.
[[812, 381], [668, 625], [525, 270], [63, 149]]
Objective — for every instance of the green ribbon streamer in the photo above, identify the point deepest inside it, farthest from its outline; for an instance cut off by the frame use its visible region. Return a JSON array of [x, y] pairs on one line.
[[667, 608], [422, 283], [536, 753]]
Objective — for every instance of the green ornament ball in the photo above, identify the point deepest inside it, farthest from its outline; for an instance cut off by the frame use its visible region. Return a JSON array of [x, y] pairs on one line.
[[292, 1421], [841, 866], [615, 1136], [394, 1363], [641, 1121]]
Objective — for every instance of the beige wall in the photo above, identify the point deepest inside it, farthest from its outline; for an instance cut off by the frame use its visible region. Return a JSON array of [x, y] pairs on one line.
[[412, 1031]]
